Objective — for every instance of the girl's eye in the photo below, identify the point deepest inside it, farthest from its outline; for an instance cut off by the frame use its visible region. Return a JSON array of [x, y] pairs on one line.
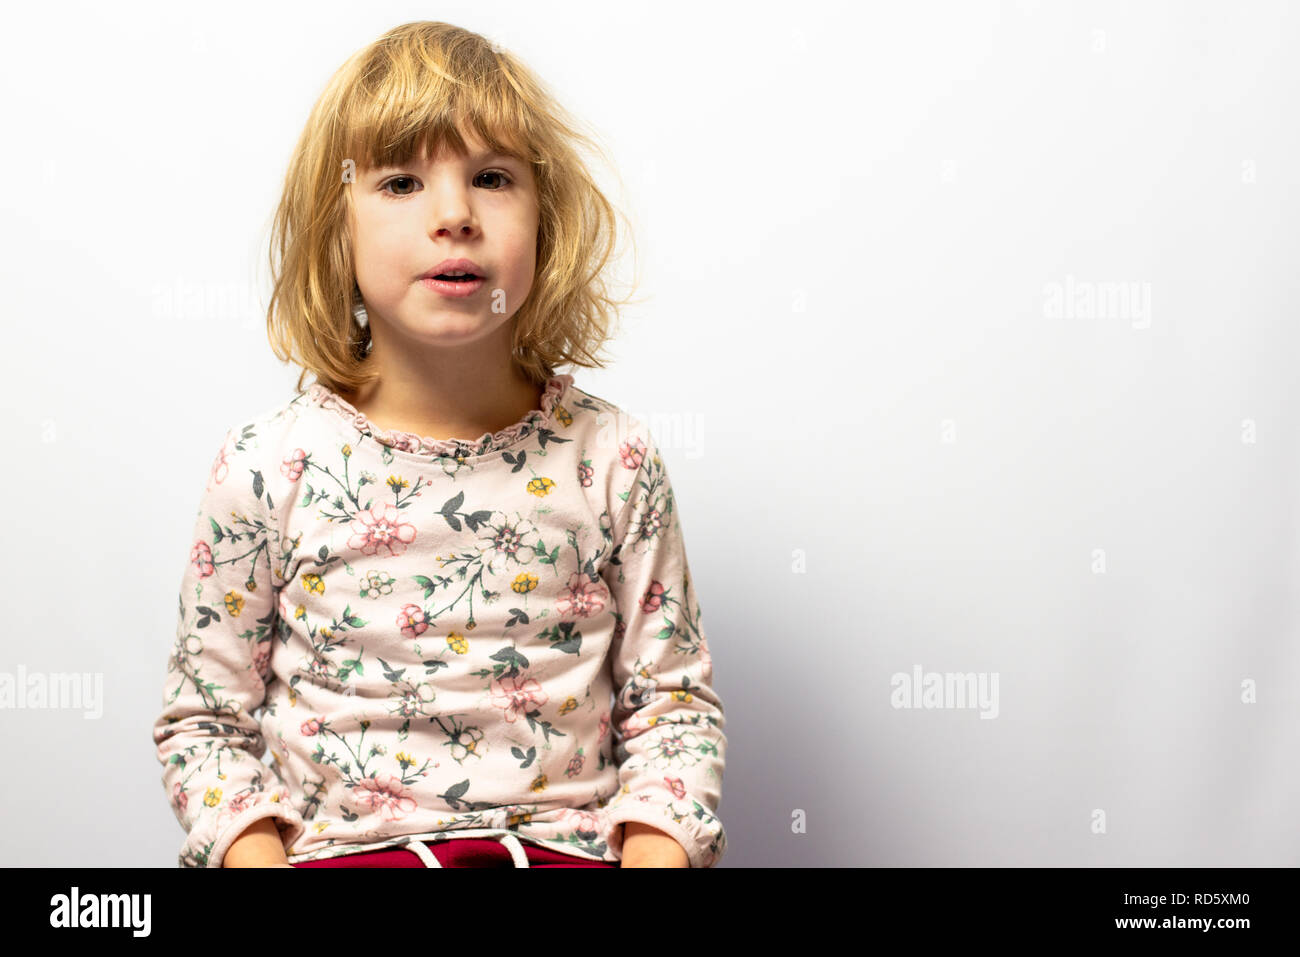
[[497, 172], [396, 179], [411, 179]]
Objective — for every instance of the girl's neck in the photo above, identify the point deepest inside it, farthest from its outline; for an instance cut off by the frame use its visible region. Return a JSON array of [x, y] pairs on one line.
[[464, 407]]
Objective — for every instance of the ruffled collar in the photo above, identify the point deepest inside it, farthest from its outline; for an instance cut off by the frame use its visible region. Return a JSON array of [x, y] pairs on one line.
[[538, 418]]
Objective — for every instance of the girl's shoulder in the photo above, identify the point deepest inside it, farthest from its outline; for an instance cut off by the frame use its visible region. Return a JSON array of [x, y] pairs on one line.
[[259, 435], [606, 423]]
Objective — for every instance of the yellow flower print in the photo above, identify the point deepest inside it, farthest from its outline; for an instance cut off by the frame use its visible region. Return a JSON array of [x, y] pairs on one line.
[[250, 585], [541, 486], [347, 451], [326, 631], [234, 603], [404, 759], [457, 643], [524, 583], [564, 416], [320, 826], [397, 483], [517, 819], [313, 583], [570, 703], [300, 613], [212, 797], [683, 695], [539, 784]]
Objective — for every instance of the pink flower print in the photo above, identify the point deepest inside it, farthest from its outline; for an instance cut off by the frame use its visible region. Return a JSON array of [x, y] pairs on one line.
[[582, 598], [675, 785], [653, 522], [387, 797], [635, 724], [179, 797], [604, 726], [201, 559], [318, 668], [582, 821], [262, 658], [706, 661], [379, 527], [585, 474], [652, 598], [515, 695], [292, 466], [242, 802], [311, 727], [412, 621], [221, 464], [632, 453]]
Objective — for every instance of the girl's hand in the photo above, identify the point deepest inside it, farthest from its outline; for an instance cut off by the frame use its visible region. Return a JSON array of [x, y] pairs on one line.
[[646, 846]]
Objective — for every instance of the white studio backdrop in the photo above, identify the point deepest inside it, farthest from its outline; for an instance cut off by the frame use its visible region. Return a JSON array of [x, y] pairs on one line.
[[970, 343]]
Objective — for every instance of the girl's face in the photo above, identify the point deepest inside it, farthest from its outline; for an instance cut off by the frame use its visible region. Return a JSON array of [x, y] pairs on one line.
[[407, 220]]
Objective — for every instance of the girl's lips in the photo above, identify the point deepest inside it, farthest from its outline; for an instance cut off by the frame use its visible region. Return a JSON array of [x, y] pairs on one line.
[[454, 290]]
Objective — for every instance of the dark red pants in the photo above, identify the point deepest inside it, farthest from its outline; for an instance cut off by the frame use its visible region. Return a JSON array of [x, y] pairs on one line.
[[460, 852]]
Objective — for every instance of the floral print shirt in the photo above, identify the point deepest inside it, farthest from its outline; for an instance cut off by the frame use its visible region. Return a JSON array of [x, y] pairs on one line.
[[439, 638]]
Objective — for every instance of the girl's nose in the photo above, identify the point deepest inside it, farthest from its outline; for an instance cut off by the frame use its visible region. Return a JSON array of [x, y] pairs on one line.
[[449, 210]]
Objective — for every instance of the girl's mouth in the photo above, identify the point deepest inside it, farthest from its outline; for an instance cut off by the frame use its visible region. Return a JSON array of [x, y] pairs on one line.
[[453, 286]]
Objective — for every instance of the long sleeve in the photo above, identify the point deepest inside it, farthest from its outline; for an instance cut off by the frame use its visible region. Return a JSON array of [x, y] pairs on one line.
[[207, 739], [667, 718]]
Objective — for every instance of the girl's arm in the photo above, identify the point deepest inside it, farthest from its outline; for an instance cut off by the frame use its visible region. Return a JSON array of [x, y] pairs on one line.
[[207, 739], [259, 846], [668, 718], [645, 846]]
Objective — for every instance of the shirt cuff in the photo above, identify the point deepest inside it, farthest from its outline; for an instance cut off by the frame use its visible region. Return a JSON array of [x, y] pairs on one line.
[[696, 828], [288, 821]]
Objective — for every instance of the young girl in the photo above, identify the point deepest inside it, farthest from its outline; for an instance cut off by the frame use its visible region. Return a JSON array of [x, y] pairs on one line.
[[465, 651]]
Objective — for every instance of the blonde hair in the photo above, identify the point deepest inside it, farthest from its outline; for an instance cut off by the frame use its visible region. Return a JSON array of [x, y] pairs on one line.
[[410, 93]]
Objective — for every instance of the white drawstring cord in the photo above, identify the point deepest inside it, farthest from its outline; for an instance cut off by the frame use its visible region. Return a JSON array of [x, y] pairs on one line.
[[516, 849], [423, 853], [508, 838]]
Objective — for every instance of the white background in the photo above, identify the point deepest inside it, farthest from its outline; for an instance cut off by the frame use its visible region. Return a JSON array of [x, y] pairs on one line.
[[888, 452]]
